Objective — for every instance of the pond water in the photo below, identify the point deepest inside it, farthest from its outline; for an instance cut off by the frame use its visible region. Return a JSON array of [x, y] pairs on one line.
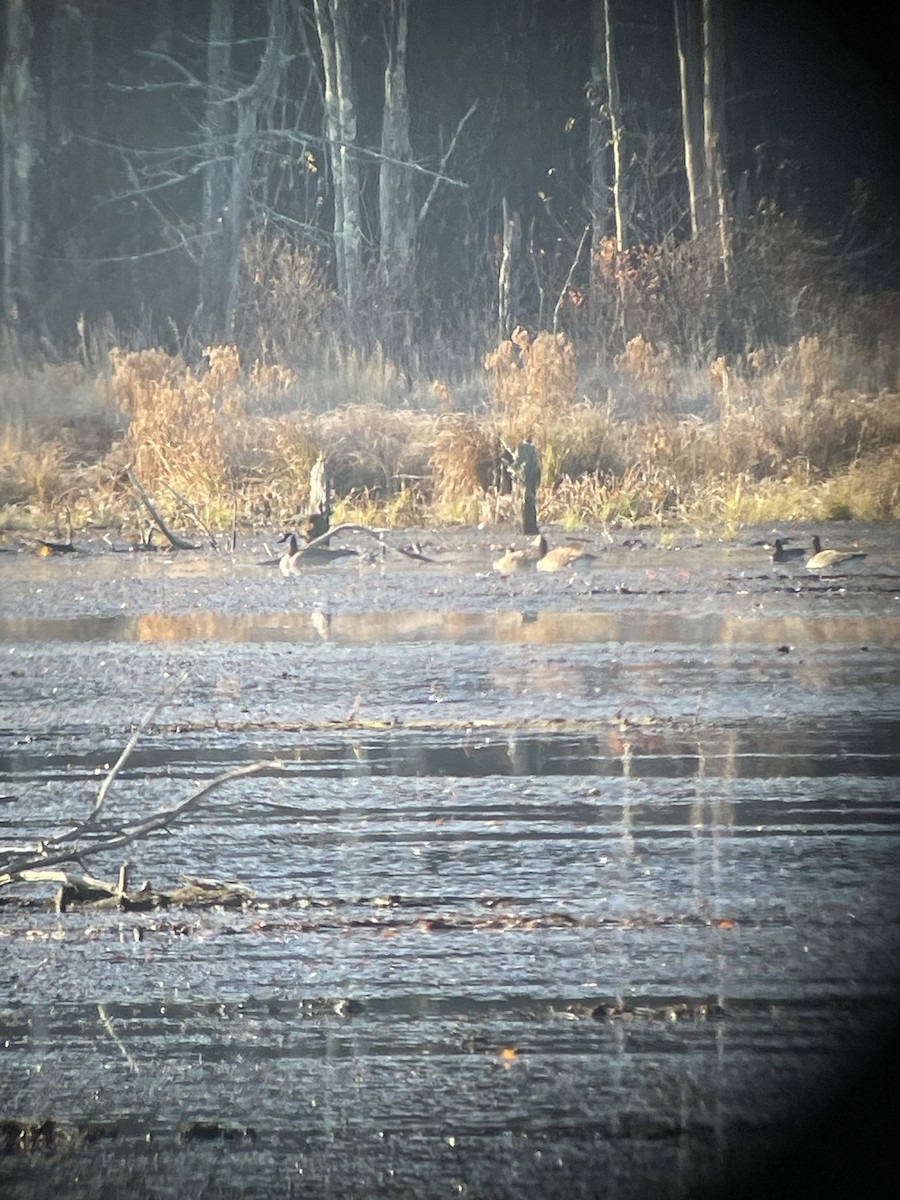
[[563, 885]]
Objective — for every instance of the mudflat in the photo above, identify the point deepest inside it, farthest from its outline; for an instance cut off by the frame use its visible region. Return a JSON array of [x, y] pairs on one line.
[[572, 884]]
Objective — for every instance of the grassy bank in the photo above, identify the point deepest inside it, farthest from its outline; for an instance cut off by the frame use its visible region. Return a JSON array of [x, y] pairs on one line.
[[760, 438]]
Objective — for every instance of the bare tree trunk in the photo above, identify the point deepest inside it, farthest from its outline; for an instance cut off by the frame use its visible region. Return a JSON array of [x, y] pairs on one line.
[[615, 125], [249, 102], [261, 93], [512, 242], [214, 201], [333, 28], [687, 35], [395, 185], [698, 30], [714, 126], [598, 137], [17, 160]]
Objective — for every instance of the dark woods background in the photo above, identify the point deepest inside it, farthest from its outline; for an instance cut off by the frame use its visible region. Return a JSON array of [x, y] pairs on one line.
[[170, 177]]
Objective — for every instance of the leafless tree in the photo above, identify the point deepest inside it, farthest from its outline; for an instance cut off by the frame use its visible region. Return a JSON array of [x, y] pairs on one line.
[[18, 152], [598, 133], [217, 127], [231, 181], [714, 126], [700, 49], [690, 75], [333, 28], [396, 199], [615, 127]]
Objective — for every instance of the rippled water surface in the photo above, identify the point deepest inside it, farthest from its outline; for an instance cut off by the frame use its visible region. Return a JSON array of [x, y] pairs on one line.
[[562, 885]]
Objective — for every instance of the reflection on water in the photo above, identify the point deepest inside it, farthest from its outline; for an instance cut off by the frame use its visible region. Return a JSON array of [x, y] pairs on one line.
[[756, 750], [366, 628]]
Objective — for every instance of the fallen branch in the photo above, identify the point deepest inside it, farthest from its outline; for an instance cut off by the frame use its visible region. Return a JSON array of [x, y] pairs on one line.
[[377, 534], [175, 540], [53, 857]]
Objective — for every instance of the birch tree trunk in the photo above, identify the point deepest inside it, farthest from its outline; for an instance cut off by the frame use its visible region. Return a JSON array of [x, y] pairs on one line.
[[395, 186], [509, 258], [615, 127], [701, 68], [333, 29], [598, 136], [17, 161], [714, 127], [687, 38]]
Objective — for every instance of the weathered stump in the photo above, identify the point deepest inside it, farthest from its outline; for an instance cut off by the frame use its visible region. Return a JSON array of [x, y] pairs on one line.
[[318, 521], [526, 475]]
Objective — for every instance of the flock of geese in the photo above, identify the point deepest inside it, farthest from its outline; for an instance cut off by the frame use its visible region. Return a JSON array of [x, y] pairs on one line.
[[563, 558], [540, 557], [537, 555]]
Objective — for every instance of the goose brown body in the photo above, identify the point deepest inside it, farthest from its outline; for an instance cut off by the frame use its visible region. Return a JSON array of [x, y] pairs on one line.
[[827, 560], [518, 560], [562, 558]]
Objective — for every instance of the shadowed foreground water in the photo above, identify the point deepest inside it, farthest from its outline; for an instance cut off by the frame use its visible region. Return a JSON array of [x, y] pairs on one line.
[[562, 886]]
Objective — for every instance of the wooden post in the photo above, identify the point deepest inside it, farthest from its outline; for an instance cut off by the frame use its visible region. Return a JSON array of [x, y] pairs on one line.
[[527, 475]]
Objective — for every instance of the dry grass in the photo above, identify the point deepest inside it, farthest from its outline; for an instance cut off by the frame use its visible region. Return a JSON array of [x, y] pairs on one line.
[[775, 437]]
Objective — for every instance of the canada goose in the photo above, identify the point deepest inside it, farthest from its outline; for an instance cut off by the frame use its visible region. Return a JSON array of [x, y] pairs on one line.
[[783, 553], [295, 559], [561, 558], [516, 560], [825, 560]]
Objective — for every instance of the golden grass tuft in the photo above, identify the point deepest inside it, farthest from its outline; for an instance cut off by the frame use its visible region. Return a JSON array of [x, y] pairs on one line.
[[532, 382], [463, 458], [376, 449], [647, 378]]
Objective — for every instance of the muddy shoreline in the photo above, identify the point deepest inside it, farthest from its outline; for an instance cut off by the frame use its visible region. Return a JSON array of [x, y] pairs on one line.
[[571, 885]]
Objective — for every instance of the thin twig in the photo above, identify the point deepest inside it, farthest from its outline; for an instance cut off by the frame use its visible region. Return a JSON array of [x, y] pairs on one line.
[[106, 1022], [568, 283], [438, 179], [43, 854], [123, 758], [117, 766], [203, 525]]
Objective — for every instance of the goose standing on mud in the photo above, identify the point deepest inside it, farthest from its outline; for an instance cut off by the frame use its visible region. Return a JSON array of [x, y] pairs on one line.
[[783, 553], [827, 560], [294, 559]]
